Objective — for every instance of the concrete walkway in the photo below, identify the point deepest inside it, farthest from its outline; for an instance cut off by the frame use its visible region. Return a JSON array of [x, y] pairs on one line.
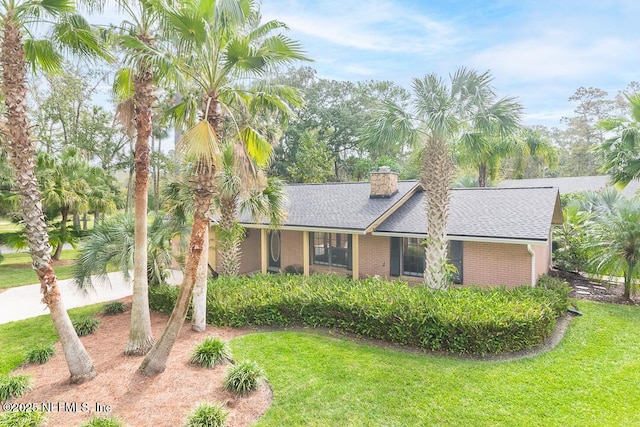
[[23, 302]]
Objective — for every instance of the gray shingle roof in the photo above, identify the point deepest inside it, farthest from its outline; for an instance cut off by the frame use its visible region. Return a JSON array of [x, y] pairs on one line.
[[571, 184], [504, 213], [336, 205]]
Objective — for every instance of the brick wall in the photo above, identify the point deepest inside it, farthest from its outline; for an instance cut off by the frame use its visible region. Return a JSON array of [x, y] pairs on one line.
[[250, 248], [374, 255], [543, 262], [291, 253], [496, 264]]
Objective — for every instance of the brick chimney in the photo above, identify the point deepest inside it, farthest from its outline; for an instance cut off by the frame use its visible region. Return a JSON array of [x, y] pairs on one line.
[[384, 183]]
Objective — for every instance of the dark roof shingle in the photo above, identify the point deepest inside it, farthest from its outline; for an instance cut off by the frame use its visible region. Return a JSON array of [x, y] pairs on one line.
[[504, 213]]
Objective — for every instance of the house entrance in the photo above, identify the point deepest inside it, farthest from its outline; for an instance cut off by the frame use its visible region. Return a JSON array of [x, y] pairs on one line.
[[274, 250]]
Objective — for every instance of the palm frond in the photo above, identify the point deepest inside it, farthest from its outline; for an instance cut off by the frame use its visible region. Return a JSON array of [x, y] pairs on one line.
[[42, 54], [200, 144]]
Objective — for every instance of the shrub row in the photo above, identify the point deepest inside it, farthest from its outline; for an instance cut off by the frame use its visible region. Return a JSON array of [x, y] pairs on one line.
[[462, 320]]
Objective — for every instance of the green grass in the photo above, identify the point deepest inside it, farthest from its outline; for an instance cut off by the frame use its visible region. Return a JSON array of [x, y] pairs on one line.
[[590, 379], [16, 270], [19, 337]]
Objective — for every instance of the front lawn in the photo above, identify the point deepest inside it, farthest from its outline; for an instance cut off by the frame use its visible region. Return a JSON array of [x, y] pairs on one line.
[[18, 337], [590, 379], [15, 269]]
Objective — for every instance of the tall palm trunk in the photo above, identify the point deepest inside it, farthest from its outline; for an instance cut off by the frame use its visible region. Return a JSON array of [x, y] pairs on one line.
[[22, 151], [140, 335], [229, 237], [199, 315], [156, 360], [436, 177]]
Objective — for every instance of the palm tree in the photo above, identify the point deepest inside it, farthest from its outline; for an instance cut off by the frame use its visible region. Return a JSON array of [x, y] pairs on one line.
[[65, 188], [532, 146], [248, 188], [616, 244], [620, 151], [135, 86], [439, 116], [223, 42], [490, 137], [111, 243], [17, 51]]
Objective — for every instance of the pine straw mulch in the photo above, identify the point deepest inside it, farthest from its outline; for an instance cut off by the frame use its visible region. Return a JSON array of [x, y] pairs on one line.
[[163, 400]]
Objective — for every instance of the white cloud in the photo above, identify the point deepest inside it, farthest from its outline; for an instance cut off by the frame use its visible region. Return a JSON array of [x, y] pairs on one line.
[[382, 26]]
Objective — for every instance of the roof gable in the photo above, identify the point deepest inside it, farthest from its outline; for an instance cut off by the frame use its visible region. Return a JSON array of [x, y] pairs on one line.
[[337, 205], [499, 213]]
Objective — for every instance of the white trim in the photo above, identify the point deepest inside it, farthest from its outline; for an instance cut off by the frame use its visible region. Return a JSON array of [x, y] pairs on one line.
[[309, 229], [533, 265], [468, 238]]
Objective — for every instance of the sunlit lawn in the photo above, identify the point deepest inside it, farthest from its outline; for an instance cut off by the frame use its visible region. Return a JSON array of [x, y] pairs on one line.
[[15, 269], [18, 337], [590, 379]]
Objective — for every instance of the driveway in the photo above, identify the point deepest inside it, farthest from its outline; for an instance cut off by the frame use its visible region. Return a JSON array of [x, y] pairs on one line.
[[23, 302]]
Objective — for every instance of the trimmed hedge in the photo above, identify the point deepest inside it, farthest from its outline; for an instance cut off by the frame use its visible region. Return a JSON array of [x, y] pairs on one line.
[[462, 320]]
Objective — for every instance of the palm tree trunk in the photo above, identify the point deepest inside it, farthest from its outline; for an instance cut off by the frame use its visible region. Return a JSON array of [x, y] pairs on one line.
[[229, 237], [482, 175], [628, 277], [199, 315], [156, 360], [63, 234], [140, 335], [436, 176], [22, 152]]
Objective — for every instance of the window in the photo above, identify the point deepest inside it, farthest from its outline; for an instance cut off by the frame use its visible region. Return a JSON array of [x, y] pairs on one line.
[[408, 257], [331, 249], [412, 257]]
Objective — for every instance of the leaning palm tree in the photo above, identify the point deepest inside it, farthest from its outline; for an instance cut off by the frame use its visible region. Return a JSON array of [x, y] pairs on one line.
[[222, 43], [532, 147], [439, 116], [17, 51]]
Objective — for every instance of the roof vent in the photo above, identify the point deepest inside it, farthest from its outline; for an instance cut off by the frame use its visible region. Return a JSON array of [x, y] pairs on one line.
[[384, 183]]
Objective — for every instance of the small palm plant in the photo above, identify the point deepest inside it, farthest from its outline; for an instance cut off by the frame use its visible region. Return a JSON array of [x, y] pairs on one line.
[[243, 378]]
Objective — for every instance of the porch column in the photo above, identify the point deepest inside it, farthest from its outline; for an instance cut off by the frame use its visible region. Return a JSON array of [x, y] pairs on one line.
[[264, 250], [305, 253], [355, 260]]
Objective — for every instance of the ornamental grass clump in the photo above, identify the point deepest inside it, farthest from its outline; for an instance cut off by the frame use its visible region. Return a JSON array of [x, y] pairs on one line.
[[210, 352], [23, 419], [105, 421], [207, 415], [113, 308], [244, 377], [85, 325], [40, 353], [13, 386]]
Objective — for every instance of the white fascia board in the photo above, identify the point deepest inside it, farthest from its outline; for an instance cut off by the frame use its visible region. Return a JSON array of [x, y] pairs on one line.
[[301, 228], [468, 238]]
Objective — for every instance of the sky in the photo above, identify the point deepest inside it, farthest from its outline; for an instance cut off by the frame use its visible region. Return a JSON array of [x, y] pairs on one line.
[[538, 51]]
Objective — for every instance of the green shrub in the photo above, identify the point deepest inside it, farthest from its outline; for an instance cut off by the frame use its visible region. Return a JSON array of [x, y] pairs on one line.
[[115, 307], [40, 353], [210, 352], [85, 325], [243, 377], [12, 386], [164, 297], [108, 421], [22, 419], [461, 320], [207, 415]]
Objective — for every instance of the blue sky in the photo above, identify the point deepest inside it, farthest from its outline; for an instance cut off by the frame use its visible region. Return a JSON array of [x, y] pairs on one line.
[[539, 51]]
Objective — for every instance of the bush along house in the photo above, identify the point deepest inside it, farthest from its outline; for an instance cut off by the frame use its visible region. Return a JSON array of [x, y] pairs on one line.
[[497, 236]]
